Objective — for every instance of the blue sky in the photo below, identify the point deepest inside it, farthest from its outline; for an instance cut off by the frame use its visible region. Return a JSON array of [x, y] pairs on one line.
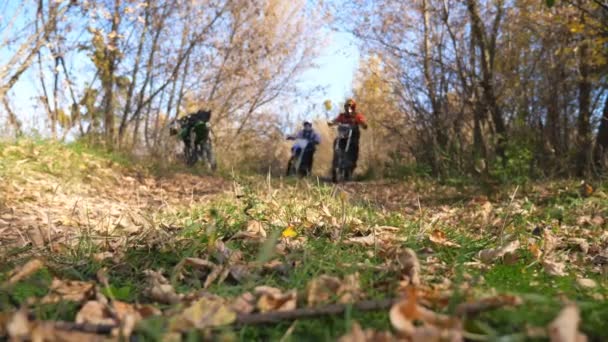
[[337, 65], [336, 68]]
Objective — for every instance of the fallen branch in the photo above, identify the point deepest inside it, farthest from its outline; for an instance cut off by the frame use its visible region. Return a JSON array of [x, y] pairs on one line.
[[487, 304], [250, 319], [464, 309], [104, 329], [332, 309]]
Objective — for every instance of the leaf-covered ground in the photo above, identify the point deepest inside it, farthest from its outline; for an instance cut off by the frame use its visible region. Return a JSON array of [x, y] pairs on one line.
[[92, 248]]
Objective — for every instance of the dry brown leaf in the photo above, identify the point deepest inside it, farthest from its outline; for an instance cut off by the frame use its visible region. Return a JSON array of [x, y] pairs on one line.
[[159, 288], [550, 242], [357, 334], [350, 290], [535, 250], [564, 328], [409, 265], [94, 312], [204, 313], [101, 256], [124, 315], [586, 282], [24, 271], [554, 268], [255, 230], [18, 327], [324, 288], [403, 313], [369, 240], [492, 254], [47, 331], [128, 316], [581, 243], [273, 299], [244, 304], [216, 272], [436, 327], [587, 220], [197, 262], [439, 238], [485, 211], [69, 290]]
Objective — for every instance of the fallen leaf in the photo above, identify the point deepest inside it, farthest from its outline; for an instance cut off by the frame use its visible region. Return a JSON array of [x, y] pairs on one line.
[[159, 289], [554, 268], [254, 230], [102, 256], [18, 326], [492, 254], [409, 265], [324, 288], [273, 299], [204, 313], [47, 331], [69, 290], [244, 304], [535, 250], [24, 271], [485, 210], [564, 328], [550, 242], [586, 282], [94, 312], [581, 243], [357, 334], [369, 240], [436, 327], [289, 232], [276, 265], [197, 262], [439, 238], [587, 220], [350, 290]]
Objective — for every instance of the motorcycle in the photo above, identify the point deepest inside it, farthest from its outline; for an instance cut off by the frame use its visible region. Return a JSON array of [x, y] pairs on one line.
[[197, 145], [294, 165], [342, 165]]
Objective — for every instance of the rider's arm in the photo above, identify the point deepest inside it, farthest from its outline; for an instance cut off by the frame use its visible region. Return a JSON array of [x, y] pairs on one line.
[[335, 121], [360, 119], [315, 139], [294, 137]]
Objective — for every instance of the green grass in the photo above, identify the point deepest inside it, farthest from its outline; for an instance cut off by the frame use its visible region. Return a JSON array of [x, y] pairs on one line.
[[200, 226]]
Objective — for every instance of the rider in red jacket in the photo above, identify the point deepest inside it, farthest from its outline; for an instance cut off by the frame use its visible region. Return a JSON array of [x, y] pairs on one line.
[[352, 117]]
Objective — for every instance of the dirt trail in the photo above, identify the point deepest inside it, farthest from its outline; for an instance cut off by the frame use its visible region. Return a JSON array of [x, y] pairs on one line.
[[38, 207]]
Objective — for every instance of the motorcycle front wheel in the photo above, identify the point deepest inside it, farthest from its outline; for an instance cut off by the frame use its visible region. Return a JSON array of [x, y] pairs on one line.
[[290, 167]]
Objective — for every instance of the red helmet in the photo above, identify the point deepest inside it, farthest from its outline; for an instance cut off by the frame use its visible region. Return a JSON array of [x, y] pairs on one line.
[[350, 103]]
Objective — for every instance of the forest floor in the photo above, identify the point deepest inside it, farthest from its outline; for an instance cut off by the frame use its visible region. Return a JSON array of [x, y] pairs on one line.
[[93, 247]]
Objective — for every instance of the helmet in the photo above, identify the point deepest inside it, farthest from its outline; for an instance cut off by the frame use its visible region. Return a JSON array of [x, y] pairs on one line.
[[350, 103], [307, 125]]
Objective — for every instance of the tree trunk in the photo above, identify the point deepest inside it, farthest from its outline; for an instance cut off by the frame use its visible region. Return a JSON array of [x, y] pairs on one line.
[[584, 113], [130, 91], [111, 53], [487, 50], [12, 118], [601, 143]]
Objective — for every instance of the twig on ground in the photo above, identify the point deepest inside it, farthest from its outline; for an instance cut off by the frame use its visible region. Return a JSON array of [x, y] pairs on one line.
[[504, 224], [332, 309]]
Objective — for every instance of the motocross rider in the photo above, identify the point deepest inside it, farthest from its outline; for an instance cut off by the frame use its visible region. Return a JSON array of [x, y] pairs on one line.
[[314, 139], [352, 117]]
